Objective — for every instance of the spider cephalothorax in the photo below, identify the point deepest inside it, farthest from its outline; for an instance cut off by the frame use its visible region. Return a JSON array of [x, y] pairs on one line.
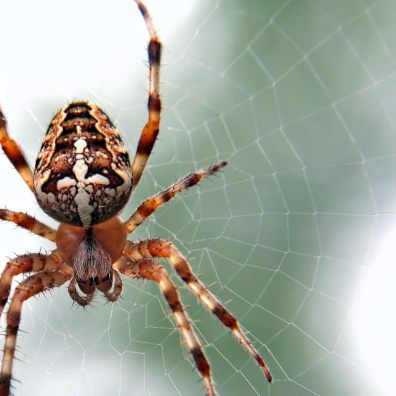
[[91, 251], [83, 173], [83, 178]]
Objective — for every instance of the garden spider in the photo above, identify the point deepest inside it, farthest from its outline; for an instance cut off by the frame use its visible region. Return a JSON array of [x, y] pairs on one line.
[[83, 179]]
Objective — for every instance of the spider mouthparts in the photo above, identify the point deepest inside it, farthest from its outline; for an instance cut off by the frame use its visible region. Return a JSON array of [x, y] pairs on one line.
[[86, 287], [89, 285], [105, 284], [92, 266]]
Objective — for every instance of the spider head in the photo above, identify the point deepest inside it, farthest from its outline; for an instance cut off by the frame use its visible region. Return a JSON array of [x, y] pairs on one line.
[[92, 251]]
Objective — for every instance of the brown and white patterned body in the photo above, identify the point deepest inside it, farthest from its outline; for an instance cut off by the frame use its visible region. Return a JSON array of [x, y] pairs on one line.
[[83, 174]]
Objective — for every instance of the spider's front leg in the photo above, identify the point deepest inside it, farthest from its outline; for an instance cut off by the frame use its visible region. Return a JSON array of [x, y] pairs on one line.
[[158, 248], [31, 286], [148, 269], [24, 264], [14, 153]]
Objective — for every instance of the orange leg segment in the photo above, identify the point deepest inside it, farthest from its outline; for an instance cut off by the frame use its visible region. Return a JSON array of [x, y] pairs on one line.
[[154, 248], [31, 286], [148, 269]]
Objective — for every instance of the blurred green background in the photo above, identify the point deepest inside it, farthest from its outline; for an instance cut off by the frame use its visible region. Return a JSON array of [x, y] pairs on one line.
[[299, 97]]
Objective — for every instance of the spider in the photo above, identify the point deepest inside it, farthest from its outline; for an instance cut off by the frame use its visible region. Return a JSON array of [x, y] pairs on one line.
[[83, 178]]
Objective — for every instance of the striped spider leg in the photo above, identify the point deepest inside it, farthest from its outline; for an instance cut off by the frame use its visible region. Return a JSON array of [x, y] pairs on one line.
[[157, 248], [14, 153], [33, 285], [150, 205], [151, 129], [151, 270], [49, 272]]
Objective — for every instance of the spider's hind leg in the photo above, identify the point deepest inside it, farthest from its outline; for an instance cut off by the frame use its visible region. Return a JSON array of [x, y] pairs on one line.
[[31, 286], [14, 153], [148, 269], [24, 264], [156, 248]]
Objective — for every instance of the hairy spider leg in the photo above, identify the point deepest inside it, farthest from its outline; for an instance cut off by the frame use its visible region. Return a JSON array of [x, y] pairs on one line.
[[154, 248], [150, 130], [31, 286], [14, 153], [23, 264], [28, 223], [151, 204], [154, 271]]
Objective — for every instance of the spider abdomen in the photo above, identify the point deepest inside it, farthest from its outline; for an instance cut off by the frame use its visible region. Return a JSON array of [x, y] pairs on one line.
[[83, 173]]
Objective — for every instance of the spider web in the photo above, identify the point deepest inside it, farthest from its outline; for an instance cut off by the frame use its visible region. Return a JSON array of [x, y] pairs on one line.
[[298, 96]]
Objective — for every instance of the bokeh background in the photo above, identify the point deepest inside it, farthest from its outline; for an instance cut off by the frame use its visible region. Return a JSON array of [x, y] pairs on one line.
[[297, 234]]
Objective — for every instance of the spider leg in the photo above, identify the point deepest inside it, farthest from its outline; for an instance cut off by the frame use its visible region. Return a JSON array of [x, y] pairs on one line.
[[161, 248], [150, 130], [23, 264], [31, 286], [151, 204], [154, 271], [28, 223], [14, 153]]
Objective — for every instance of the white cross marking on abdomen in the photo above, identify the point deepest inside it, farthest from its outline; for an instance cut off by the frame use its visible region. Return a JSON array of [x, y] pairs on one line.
[[82, 197]]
